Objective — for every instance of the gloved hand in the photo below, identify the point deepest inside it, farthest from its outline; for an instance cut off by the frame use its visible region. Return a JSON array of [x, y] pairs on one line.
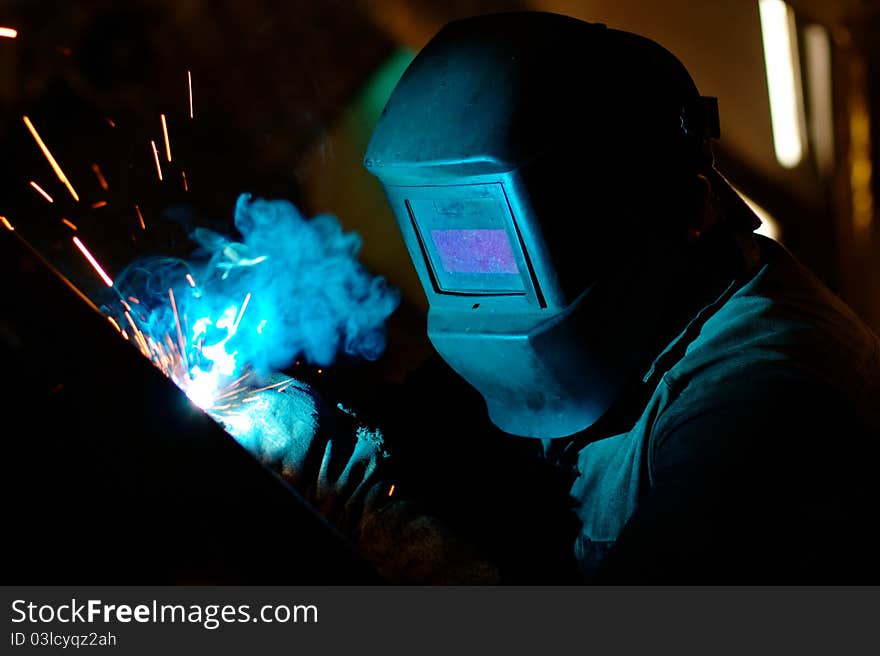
[[342, 467], [321, 450]]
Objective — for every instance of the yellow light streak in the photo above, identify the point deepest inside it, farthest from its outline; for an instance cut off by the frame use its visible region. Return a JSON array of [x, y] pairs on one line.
[[101, 179], [93, 261], [156, 157], [140, 217], [41, 191], [189, 84], [860, 160], [267, 387], [782, 66], [817, 46], [167, 141], [8, 32], [6, 223], [52, 162]]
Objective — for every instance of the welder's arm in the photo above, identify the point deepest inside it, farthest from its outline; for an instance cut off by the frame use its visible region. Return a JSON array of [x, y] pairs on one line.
[[342, 468]]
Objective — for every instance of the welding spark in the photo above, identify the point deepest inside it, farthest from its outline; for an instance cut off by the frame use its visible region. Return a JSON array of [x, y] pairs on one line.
[[6, 223], [8, 32], [184, 333], [100, 203], [156, 157], [189, 84], [241, 312], [185, 185], [101, 180], [52, 162], [93, 261], [391, 490], [69, 224], [41, 191], [140, 217], [177, 323], [167, 141], [110, 121]]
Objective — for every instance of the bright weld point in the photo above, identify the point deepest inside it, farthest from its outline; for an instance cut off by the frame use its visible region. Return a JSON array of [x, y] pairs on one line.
[[93, 261], [8, 32], [189, 279], [783, 80], [101, 180], [41, 191], [320, 371], [52, 162], [167, 141], [6, 223], [100, 203], [140, 217], [156, 157], [69, 224], [189, 84], [391, 490]]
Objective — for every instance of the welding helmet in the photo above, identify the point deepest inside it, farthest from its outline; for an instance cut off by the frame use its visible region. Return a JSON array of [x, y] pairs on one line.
[[503, 151]]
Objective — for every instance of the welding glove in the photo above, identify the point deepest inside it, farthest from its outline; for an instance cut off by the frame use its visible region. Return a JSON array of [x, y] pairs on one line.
[[342, 468]]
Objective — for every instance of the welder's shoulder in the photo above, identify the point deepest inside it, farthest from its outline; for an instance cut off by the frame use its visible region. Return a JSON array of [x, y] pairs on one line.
[[769, 437], [783, 330], [783, 366]]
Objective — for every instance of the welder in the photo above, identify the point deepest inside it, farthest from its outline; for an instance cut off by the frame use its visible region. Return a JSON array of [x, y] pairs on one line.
[[712, 408]]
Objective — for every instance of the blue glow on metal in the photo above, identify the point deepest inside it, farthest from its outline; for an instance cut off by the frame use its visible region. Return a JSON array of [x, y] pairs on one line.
[[292, 288]]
